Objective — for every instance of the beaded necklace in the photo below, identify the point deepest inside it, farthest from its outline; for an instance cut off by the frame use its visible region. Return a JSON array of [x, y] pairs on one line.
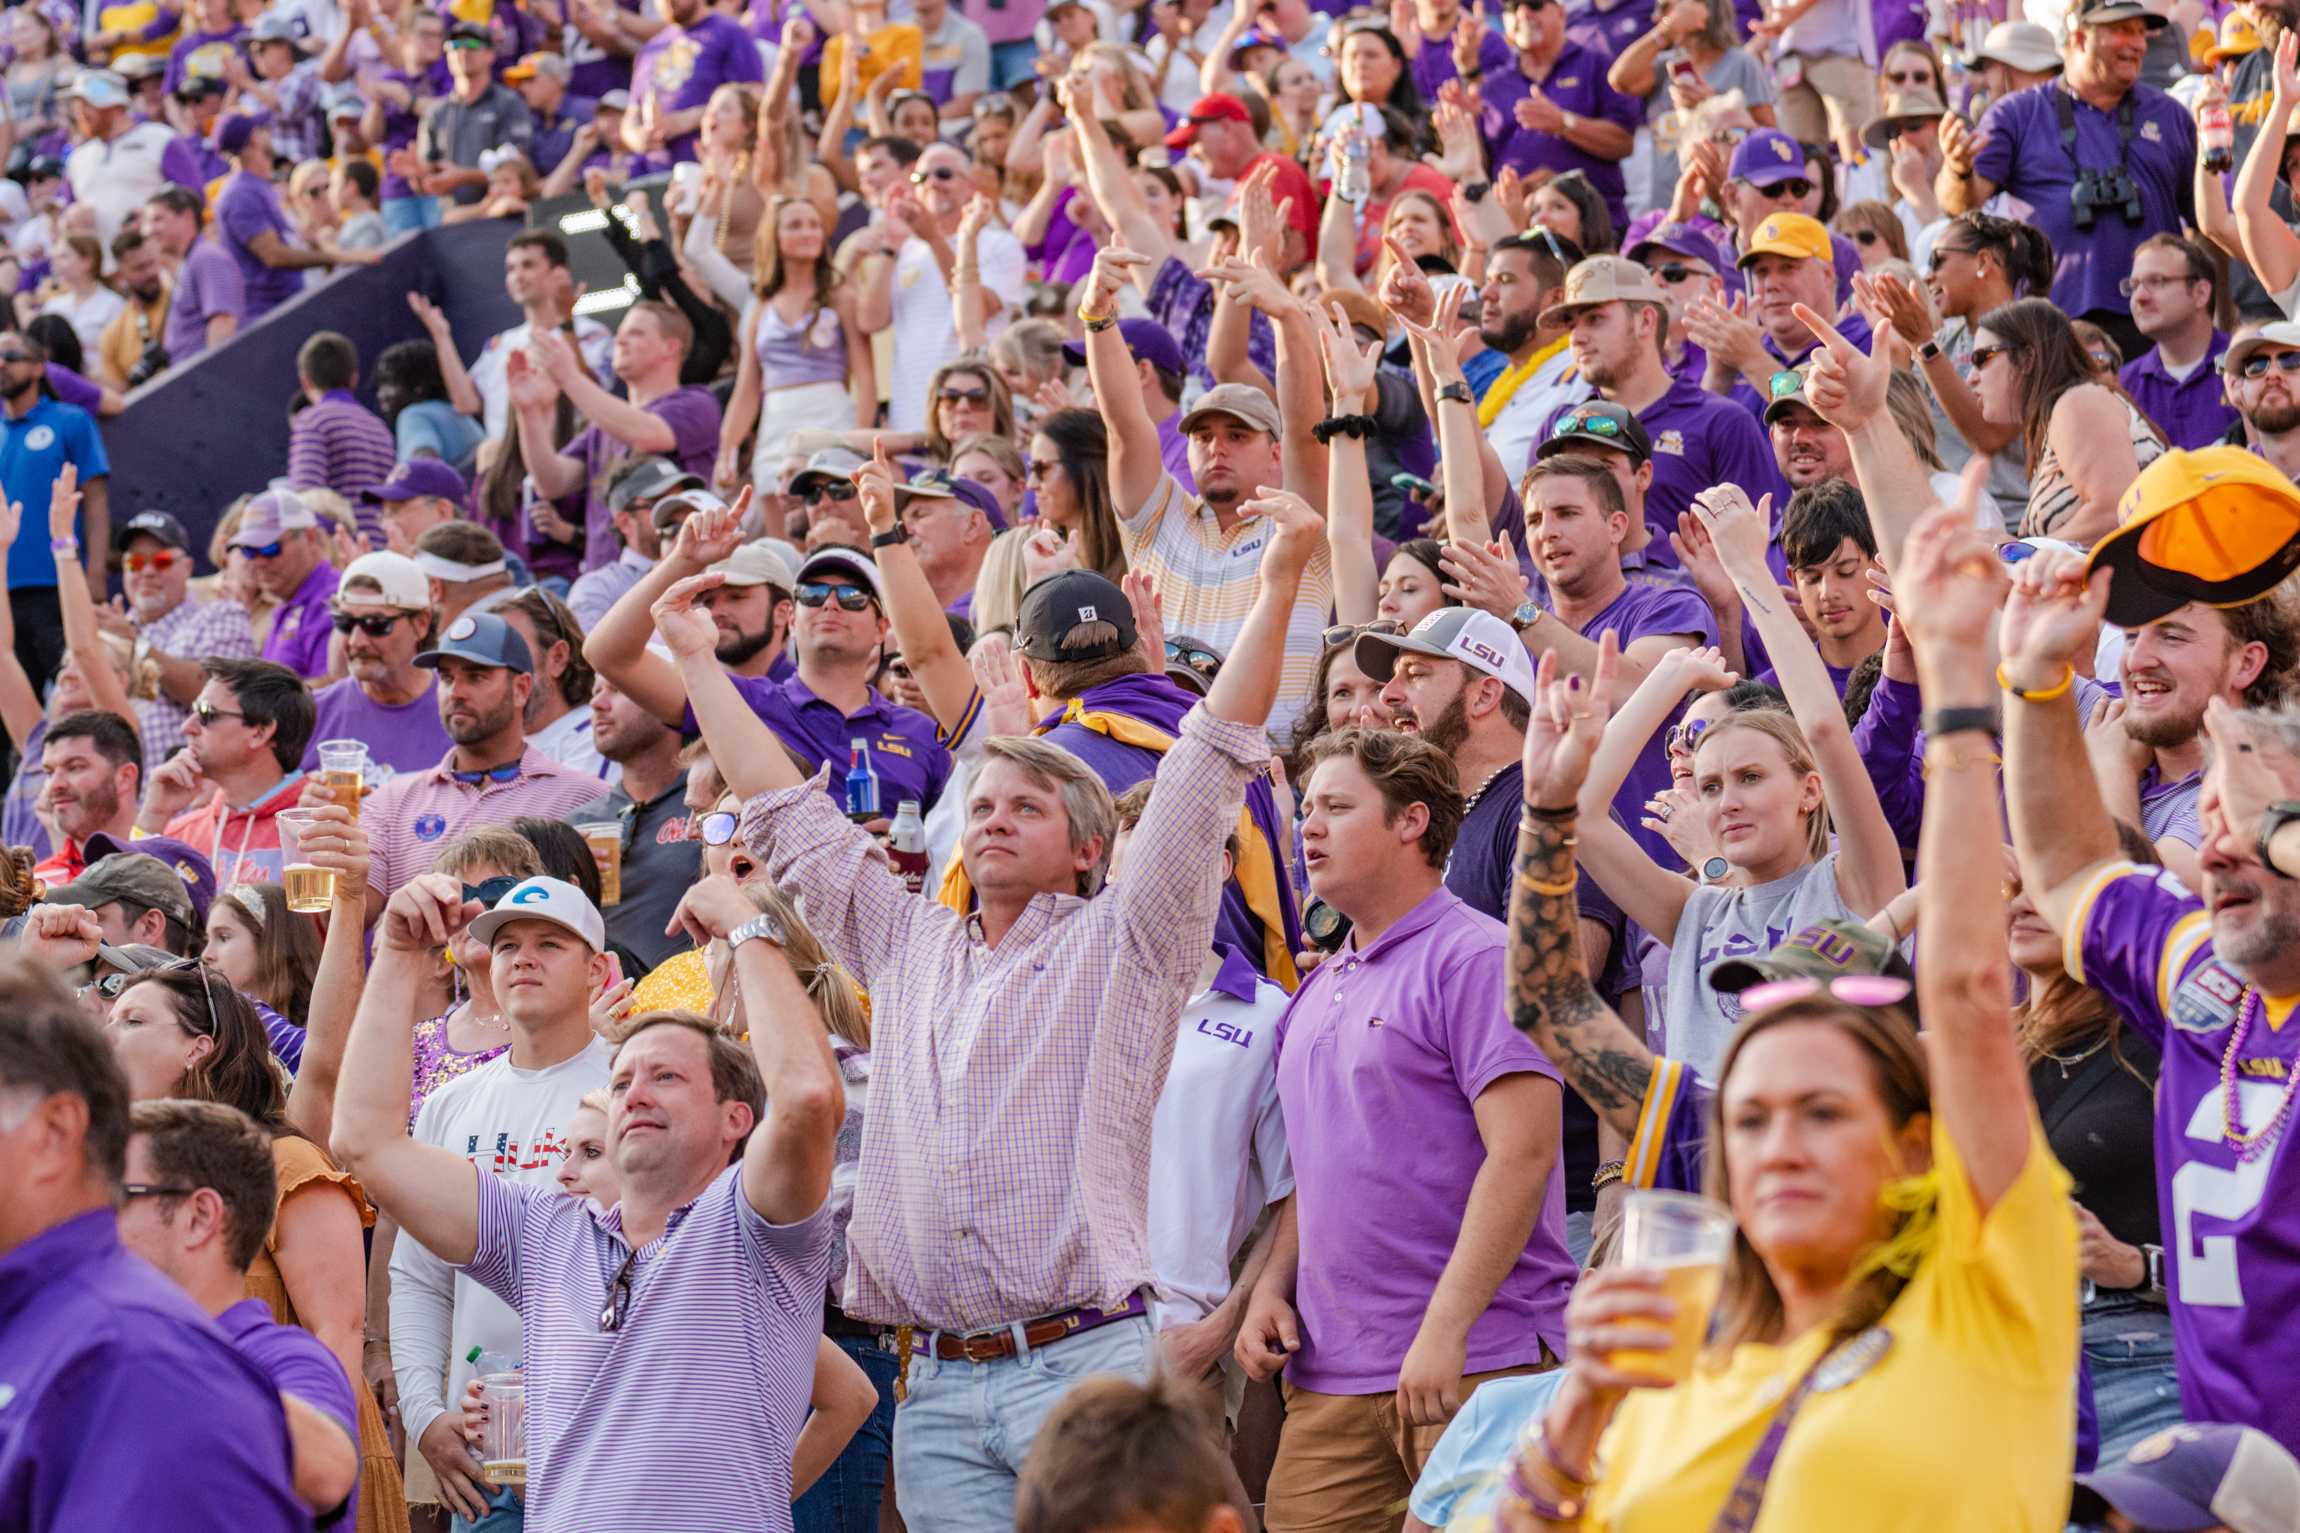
[[2249, 1147]]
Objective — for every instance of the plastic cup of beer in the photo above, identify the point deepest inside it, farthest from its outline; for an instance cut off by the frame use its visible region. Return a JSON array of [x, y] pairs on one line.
[[343, 771], [310, 888], [1685, 1240], [605, 838], [503, 1454]]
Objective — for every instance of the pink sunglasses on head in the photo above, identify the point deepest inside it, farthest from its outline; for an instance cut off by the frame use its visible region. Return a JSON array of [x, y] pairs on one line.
[[1852, 989]]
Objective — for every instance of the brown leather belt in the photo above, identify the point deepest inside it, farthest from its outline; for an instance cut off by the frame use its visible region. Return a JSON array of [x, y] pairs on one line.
[[989, 1346]]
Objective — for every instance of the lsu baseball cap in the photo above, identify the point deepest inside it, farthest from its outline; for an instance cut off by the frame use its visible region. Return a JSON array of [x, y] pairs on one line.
[[1602, 279], [1767, 157], [1680, 239], [1790, 234], [137, 877], [386, 580], [272, 27], [1598, 423], [152, 524], [2215, 525], [1145, 338], [552, 66], [188, 863], [1471, 635], [2185, 1479], [272, 515], [1067, 600], [2269, 337], [2101, 13], [1824, 951], [1240, 401], [1219, 107], [756, 564], [481, 638], [941, 484], [545, 899], [237, 129], [649, 479], [420, 478], [615, 101], [850, 562]]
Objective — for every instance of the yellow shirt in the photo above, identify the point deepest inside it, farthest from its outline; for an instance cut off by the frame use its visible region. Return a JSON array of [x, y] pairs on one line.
[[899, 46], [1968, 1424], [681, 981]]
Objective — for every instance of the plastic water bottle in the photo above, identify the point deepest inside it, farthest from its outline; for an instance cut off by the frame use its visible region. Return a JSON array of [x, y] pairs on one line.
[[862, 782], [1356, 183], [2216, 135], [906, 845]]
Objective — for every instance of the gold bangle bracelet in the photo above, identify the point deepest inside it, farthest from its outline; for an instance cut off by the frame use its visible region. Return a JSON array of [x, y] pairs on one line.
[[1554, 891], [2058, 690]]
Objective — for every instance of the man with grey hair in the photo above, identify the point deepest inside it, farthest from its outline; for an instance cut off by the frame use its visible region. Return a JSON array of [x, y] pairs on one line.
[[121, 1397], [1000, 1205]]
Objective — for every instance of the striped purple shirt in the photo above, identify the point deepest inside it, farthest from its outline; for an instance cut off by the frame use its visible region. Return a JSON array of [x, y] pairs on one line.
[[719, 1331], [411, 816], [340, 444]]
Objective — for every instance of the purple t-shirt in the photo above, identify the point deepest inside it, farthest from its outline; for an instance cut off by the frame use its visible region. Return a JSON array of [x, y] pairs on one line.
[[2021, 152], [400, 125], [1576, 83], [2236, 1278], [298, 1364], [201, 55], [1382, 1117], [209, 284], [905, 747], [1891, 747], [2190, 411], [693, 416], [245, 209], [681, 66], [406, 738], [301, 629]]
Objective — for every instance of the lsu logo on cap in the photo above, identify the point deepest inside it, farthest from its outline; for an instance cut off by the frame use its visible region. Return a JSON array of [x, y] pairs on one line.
[[1477, 649], [1780, 147], [463, 628]]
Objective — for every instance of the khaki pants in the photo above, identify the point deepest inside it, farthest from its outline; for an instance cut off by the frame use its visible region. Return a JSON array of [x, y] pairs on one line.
[[1346, 1463], [1832, 104]]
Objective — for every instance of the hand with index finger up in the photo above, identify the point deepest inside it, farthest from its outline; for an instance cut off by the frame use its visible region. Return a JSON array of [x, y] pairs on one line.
[[1846, 386]]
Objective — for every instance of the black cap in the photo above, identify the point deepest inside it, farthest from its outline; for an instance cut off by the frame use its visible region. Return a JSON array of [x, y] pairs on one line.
[[470, 32], [151, 524], [1598, 423], [1064, 601]]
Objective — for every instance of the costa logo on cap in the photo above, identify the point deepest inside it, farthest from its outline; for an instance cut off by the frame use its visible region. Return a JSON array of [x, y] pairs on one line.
[[533, 894], [463, 628]]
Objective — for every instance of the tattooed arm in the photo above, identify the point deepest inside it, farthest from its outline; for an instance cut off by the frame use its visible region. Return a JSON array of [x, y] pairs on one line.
[[1550, 994]]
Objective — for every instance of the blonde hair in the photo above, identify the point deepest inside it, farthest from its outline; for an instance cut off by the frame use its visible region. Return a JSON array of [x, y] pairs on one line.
[[595, 1099], [838, 999], [998, 584], [1782, 730]]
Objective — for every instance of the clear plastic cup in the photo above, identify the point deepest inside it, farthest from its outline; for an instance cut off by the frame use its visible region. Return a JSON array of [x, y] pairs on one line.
[[1685, 1240], [503, 1451], [605, 838], [343, 771], [310, 888]]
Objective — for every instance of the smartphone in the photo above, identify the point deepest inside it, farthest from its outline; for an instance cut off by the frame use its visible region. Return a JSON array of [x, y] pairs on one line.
[[1413, 484]]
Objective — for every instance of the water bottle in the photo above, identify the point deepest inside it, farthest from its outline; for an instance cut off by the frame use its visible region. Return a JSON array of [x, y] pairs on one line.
[[862, 782], [906, 845], [1355, 185], [2216, 133]]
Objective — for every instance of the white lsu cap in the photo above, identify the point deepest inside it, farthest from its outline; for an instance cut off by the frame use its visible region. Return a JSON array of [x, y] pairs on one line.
[[545, 899], [1471, 635]]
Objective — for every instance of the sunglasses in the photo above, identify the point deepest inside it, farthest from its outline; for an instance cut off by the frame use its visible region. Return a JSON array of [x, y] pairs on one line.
[[1196, 656], [17, 356], [1683, 737], [207, 713], [832, 489], [1673, 273], [974, 396], [1796, 187], [374, 624], [164, 559], [2257, 364], [1786, 384], [1852, 989], [1909, 76], [154, 1190], [1941, 253], [939, 173], [619, 1295], [717, 828], [815, 593], [1867, 237], [467, 42], [1984, 355], [1344, 633], [207, 987], [489, 890], [263, 551], [1587, 423], [508, 772]]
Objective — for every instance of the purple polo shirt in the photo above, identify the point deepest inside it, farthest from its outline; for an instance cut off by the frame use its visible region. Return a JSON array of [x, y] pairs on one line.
[[298, 1364], [1640, 610], [405, 738], [1382, 1055], [400, 125], [1433, 66], [905, 749], [201, 54], [1576, 83], [124, 1400], [693, 416], [249, 206], [1702, 439], [209, 284], [2189, 411], [2022, 153], [301, 630], [681, 66]]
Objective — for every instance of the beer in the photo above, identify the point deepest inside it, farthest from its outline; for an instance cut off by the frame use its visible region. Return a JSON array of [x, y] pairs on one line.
[[503, 1446], [343, 771], [504, 1471], [605, 838], [344, 788], [310, 888], [1693, 1286]]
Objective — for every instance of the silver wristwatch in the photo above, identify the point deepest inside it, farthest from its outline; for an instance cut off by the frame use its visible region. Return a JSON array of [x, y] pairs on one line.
[[760, 925]]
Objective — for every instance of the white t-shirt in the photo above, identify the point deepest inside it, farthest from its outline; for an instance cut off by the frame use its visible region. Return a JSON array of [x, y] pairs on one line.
[[925, 327], [87, 316], [1554, 385], [489, 372], [1218, 1140], [512, 1123]]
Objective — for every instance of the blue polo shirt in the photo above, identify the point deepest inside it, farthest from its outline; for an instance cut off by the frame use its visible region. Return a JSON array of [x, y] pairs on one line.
[[125, 1407], [2021, 151], [2189, 411], [34, 446], [904, 748]]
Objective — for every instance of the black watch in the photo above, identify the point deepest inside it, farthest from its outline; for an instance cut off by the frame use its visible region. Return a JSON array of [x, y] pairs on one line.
[[1474, 191], [1458, 391], [1953, 721], [893, 535], [2273, 819]]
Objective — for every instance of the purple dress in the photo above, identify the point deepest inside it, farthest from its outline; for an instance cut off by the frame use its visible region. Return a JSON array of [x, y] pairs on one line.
[[437, 1061]]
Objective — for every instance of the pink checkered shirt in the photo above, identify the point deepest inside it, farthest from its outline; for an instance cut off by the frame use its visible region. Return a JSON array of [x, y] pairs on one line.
[[410, 817], [1006, 1154]]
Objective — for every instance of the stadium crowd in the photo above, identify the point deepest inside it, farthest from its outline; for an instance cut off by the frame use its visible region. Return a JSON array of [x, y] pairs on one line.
[[1225, 763]]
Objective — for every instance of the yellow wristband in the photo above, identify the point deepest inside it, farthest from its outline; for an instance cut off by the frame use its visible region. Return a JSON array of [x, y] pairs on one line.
[[1554, 891], [2049, 694], [1096, 323]]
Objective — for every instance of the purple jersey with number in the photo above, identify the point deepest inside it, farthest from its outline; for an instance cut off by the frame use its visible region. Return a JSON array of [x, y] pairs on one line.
[[2231, 1236]]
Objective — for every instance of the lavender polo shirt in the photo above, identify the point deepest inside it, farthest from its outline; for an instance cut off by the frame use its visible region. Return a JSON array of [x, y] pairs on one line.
[[721, 1327], [301, 630], [693, 416], [126, 1408], [1381, 1057], [905, 748], [404, 738], [298, 1364], [409, 817], [2189, 411]]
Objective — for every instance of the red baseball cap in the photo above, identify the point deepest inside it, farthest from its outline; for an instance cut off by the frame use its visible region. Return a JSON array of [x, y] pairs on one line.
[[1219, 107]]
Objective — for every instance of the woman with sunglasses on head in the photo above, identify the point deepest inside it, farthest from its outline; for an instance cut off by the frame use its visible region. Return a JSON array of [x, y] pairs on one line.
[[1904, 1250], [1691, 52], [262, 949], [2083, 443]]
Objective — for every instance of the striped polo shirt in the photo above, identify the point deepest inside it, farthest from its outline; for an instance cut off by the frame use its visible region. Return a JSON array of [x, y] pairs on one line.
[[410, 817], [339, 444], [686, 1415], [1207, 578]]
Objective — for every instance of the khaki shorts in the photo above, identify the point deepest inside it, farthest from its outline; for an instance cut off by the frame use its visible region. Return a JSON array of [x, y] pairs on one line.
[[1346, 1463], [1833, 103]]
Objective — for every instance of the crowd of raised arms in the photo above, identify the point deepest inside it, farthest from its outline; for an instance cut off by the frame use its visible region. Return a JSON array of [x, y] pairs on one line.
[[1220, 764]]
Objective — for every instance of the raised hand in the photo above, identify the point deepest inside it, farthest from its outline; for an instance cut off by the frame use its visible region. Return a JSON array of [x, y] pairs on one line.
[[173, 786], [2287, 75], [1350, 369], [1697, 668], [1961, 145], [1901, 303], [1406, 288], [64, 504], [1047, 552], [1676, 816], [2240, 784], [1697, 553], [1296, 531], [1949, 583], [1149, 615], [428, 315], [427, 910], [1725, 331], [2052, 617], [1566, 725], [1469, 34], [1114, 267], [1262, 220], [1845, 385], [710, 534], [1485, 576], [998, 676], [1740, 530], [530, 386], [874, 483], [685, 627], [62, 936], [711, 909]]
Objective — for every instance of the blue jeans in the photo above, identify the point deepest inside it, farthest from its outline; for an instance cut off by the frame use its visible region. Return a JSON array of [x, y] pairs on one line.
[[2128, 1348], [845, 1499], [1580, 1231], [962, 1432], [402, 214], [506, 1513]]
